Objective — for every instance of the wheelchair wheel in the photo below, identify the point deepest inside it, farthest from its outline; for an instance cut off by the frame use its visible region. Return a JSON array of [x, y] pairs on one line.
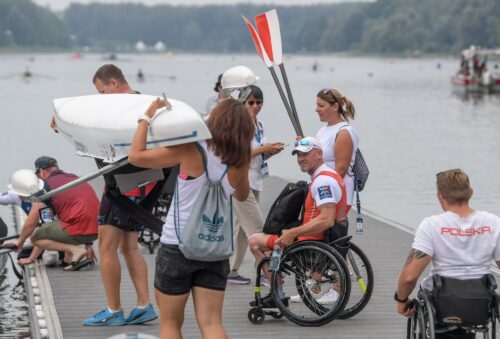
[[256, 315], [149, 239], [361, 274], [417, 327], [304, 267]]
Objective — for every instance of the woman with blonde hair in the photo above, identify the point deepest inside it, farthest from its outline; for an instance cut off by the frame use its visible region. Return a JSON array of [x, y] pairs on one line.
[[176, 277], [339, 142], [339, 139]]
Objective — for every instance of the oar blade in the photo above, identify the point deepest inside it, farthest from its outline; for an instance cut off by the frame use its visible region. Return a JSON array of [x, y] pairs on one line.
[[268, 28], [257, 43]]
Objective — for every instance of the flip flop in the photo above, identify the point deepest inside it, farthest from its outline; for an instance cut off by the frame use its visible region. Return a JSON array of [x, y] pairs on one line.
[[77, 265]]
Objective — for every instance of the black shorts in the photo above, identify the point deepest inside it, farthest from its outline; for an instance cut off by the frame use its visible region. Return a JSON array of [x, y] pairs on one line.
[[109, 214], [175, 275]]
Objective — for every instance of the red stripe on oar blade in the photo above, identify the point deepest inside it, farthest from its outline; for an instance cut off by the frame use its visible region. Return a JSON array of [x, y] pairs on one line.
[[268, 27], [257, 42]]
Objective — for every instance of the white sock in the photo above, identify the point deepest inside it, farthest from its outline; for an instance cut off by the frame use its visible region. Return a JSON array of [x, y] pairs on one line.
[[112, 311], [142, 307]]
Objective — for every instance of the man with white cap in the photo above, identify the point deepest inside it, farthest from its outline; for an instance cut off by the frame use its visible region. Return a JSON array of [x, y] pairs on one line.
[[325, 204]]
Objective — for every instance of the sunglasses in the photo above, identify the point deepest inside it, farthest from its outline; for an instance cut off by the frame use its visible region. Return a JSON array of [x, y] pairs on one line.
[[254, 102], [302, 142], [327, 91]]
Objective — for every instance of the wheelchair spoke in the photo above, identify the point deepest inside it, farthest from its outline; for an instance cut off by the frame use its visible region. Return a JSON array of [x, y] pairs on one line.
[[306, 273]]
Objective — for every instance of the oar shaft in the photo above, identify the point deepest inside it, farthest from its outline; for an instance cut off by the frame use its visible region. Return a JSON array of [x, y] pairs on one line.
[[104, 170], [290, 98], [285, 100]]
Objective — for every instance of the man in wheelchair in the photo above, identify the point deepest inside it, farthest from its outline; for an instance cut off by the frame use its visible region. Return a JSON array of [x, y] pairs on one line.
[[325, 204], [460, 243]]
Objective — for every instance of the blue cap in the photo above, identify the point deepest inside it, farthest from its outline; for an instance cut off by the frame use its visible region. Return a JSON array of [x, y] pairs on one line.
[[44, 162]]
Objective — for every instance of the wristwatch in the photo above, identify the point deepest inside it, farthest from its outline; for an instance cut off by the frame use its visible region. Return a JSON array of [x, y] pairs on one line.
[[144, 117], [399, 300]]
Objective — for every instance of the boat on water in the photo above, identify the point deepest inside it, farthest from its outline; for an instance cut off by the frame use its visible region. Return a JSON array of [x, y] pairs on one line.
[[479, 71]]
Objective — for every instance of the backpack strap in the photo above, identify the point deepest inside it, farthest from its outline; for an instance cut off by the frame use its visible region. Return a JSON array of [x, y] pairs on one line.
[[203, 158]]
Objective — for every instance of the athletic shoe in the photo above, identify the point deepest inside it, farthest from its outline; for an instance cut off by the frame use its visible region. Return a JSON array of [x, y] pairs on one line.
[[106, 318], [238, 280], [298, 299], [264, 281], [141, 315], [329, 297]]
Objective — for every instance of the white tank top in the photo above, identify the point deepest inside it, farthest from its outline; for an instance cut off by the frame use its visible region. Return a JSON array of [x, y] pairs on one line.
[[188, 191], [327, 136]]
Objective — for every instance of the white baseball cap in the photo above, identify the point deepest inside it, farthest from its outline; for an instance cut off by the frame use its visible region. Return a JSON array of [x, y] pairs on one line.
[[306, 144]]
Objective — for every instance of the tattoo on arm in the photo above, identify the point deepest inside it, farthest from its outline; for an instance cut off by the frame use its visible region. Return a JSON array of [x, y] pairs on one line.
[[414, 254]]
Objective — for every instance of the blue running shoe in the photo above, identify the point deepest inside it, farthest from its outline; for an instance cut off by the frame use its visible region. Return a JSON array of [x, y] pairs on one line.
[[141, 315], [106, 318]]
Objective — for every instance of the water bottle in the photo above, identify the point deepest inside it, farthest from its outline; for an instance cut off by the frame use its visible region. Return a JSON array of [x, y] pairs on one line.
[[275, 258], [359, 225]]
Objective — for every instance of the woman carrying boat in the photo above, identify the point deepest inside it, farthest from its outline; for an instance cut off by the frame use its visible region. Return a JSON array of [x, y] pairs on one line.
[[232, 131]]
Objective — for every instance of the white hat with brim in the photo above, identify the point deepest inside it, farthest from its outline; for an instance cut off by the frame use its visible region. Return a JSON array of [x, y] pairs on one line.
[[306, 144], [25, 193]]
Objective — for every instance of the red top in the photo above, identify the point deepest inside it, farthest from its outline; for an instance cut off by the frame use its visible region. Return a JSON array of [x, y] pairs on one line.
[[76, 208], [312, 211]]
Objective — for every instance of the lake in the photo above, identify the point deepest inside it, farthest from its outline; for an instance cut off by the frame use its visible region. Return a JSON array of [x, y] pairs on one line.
[[410, 124]]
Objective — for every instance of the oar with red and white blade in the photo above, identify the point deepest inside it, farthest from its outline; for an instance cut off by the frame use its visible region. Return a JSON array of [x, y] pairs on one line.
[[268, 28], [269, 64]]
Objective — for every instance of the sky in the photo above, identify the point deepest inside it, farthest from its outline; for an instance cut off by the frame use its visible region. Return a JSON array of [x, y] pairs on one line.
[[62, 4]]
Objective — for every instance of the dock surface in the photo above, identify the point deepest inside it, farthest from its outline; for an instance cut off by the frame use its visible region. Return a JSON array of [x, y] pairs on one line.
[[78, 295]]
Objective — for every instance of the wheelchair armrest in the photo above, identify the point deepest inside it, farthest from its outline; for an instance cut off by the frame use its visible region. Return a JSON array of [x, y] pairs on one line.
[[347, 238], [490, 280]]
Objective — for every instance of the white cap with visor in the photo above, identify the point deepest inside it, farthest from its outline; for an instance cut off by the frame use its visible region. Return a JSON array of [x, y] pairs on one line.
[[306, 144]]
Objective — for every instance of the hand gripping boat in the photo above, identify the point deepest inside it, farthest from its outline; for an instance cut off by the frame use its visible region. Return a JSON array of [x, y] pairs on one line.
[[102, 126]]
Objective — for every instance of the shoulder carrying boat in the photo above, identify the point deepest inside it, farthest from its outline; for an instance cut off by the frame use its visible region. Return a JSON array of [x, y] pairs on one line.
[[102, 126]]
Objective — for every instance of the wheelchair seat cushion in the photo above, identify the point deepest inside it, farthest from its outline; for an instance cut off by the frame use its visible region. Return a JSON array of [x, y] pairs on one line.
[[461, 302]]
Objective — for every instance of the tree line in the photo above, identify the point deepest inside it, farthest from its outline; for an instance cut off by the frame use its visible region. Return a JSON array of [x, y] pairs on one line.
[[382, 27]]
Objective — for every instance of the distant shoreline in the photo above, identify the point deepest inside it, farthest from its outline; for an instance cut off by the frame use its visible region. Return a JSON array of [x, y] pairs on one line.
[[46, 50]]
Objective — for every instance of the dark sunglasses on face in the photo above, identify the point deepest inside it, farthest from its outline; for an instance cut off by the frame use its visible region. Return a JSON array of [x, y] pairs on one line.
[[254, 102]]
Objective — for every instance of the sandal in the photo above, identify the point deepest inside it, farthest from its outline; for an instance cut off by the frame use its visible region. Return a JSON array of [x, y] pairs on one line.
[[77, 265]]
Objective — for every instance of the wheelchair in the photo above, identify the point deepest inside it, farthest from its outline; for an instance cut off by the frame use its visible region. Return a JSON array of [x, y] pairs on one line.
[[305, 267], [148, 238], [361, 274], [471, 308]]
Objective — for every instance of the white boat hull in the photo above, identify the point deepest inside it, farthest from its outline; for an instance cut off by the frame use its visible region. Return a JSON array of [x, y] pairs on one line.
[[102, 126]]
